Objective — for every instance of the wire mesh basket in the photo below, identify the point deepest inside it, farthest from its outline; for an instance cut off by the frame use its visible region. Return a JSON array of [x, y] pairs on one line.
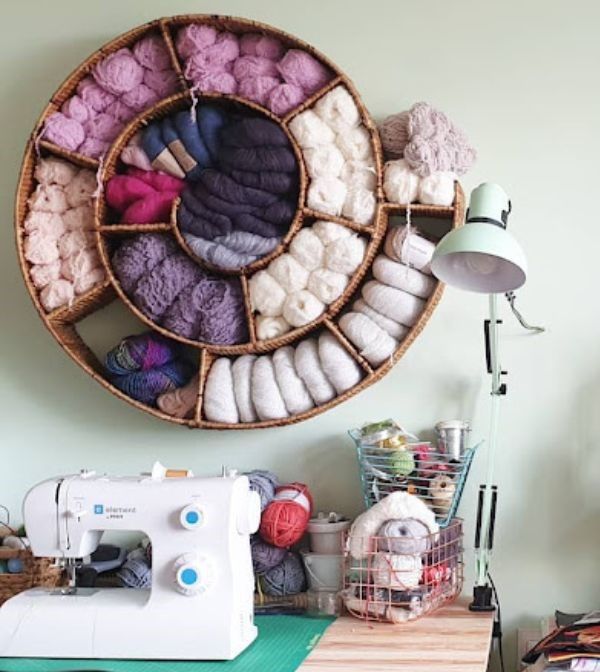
[[413, 466], [402, 578]]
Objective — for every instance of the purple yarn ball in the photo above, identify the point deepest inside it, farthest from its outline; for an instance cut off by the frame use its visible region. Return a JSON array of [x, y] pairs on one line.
[[140, 353], [147, 386], [265, 556], [264, 483]]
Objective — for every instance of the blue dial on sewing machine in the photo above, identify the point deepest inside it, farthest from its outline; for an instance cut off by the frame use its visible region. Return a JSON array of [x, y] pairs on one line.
[[191, 517], [189, 576]]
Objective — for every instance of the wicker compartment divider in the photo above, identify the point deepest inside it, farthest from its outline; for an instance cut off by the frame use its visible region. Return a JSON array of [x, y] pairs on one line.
[[62, 323]]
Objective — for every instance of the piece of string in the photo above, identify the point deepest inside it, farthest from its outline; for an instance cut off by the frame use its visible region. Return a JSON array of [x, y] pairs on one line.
[[99, 186], [38, 139], [511, 297]]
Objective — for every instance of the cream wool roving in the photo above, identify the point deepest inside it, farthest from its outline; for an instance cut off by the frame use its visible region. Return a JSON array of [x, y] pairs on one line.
[[267, 296], [48, 224], [355, 144], [360, 205], [266, 396], [359, 174], [327, 285], [43, 274], [306, 247], [400, 183], [293, 390], [310, 130], [83, 283], [374, 344], [271, 327], [81, 188], [403, 277], [289, 273], [309, 369], [48, 198], [81, 263], [54, 171], [219, 400], [81, 217], [300, 308], [394, 329], [39, 249], [345, 254], [338, 109], [437, 188], [324, 161], [327, 195], [57, 293], [242, 380], [396, 304], [328, 232], [410, 248], [74, 241], [341, 369]]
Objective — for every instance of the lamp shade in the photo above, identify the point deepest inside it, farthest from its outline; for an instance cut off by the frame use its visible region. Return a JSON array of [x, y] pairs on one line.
[[482, 256]]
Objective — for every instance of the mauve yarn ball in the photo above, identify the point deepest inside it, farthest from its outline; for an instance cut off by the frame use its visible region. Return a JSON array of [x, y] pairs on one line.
[[286, 578], [264, 483], [138, 255], [265, 556]]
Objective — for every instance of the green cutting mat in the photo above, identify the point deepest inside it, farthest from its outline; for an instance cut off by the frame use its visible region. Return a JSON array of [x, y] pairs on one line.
[[283, 643]]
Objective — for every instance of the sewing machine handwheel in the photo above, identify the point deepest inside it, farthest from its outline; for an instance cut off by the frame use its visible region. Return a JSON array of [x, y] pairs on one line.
[[248, 518]]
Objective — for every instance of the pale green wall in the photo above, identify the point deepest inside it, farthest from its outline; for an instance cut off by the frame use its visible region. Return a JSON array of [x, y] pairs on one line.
[[521, 78]]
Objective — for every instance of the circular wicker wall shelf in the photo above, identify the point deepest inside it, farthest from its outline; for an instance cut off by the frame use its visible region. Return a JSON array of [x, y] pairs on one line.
[[62, 322]]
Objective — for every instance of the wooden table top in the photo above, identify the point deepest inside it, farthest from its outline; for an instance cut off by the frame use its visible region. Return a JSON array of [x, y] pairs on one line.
[[452, 639]]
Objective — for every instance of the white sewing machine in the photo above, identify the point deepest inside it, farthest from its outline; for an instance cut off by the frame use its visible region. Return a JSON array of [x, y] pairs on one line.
[[200, 605]]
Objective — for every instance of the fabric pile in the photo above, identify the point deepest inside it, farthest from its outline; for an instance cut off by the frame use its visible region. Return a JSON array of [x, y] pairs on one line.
[[296, 287], [174, 292], [288, 382], [428, 153], [254, 66], [121, 86], [339, 158], [392, 302], [59, 244]]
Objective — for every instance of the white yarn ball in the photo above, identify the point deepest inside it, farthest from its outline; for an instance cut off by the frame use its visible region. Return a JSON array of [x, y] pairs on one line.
[[360, 205], [289, 273], [338, 109], [359, 174], [271, 327], [437, 188], [327, 285], [402, 276], [410, 248], [85, 282], [241, 373], [396, 304], [323, 161], [57, 293], [51, 170], [310, 130], [400, 183], [394, 329], [345, 255], [43, 274], [16, 543], [266, 294], [307, 248], [339, 366], [326, 194], [219, 398], [293, 390], [374, 344], [308, 366], [330, 231], [266, 396], [355, 144], [302, 307]]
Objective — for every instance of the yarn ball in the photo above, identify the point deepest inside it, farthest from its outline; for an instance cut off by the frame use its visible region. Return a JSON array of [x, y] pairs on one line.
[[301, 69], [265, 556], [140, 353], [16, 543], [14, 565], [403, 536], [271, 327], [284, 523], [135, 573], [264, 483], [147, 386], [118, 73], [400, 183], [284, 98], [151, 52], [63, 131], [402, 462], [286, 578], [393, 132], [94, 96]]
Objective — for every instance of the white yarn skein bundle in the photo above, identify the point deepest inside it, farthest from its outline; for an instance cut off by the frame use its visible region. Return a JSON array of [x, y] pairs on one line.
[[308, 367], [338, 365], [311, 131], [328, 232], [359, 174], [345, 254], [302, 307], [394, 329], [219, 398], [324, 161], [396, 304], [403, 277], [295, 395], [338, 109], [327, 285], [327, 194], [355, 144], [266, 396], [400, 183], [289, 273], [266, 294], [241, 371], [374, 344], [307, 248], [409, 248], [396, 572], [437, 188], [271, 327], [360, 205]]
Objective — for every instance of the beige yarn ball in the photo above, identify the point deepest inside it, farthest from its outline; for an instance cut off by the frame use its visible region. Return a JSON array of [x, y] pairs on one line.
[[393, 132]]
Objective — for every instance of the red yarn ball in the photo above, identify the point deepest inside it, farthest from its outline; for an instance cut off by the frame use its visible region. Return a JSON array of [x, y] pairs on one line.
[[296, 492], [283, 523]]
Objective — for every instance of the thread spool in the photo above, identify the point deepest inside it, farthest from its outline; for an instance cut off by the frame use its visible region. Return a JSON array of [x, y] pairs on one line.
[[285, 519], [442, 488]]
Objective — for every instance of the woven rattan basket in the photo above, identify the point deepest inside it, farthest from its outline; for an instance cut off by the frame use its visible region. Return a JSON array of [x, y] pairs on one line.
[[63, 322], [37, 572]]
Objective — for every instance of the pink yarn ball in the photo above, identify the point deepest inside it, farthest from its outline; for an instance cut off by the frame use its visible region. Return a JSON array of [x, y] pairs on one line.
[[254, 66], [193, 38], [103, 126], [48, 198], [219, 82], [56, 294], [284, 98], [255, 44], [76, 109], [123, 190], [79, 218], [63, 131], [43, 274], [94, 148], [75, 241], [85, 282], [153, 208], [81, 188], [119, 72], [40, 248], [140, 98], [300, 68], [51, 170], [164, 83], [80, 264], [50, 224], [151, 52], [94, 96], [120, 111], [159, 181], [257, 89]]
